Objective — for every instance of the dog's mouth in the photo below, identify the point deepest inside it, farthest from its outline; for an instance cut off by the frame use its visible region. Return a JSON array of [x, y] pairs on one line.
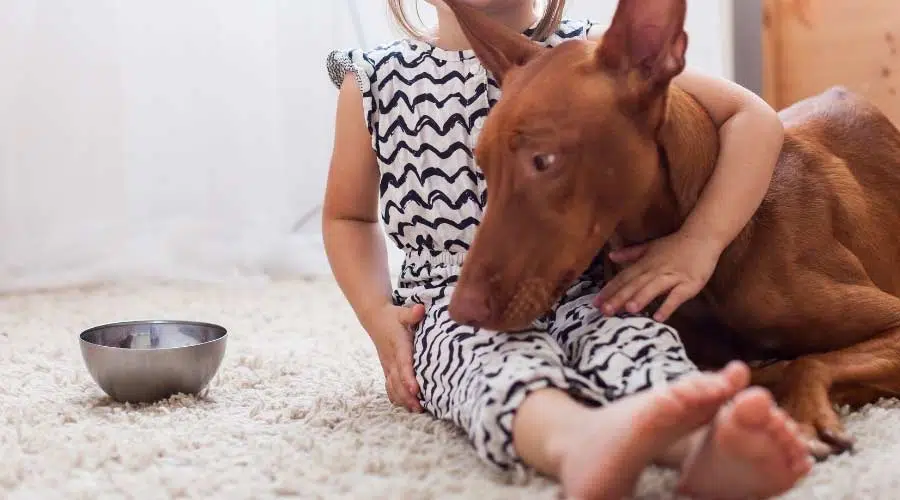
[[532, 299]]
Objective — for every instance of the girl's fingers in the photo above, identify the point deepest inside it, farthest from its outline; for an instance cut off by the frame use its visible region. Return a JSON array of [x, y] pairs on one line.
[[625, 295], [678, 296], [651, 290], [629, 254], [407, 380], [411, 316], [611, 289]]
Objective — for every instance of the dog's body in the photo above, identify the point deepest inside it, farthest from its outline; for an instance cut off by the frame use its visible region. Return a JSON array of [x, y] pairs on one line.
[[826, 216], [622, 158], [812, 278], [794, 279]]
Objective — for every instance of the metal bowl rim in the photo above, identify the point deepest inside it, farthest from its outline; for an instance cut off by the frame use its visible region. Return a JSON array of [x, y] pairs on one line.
[[214, 326]]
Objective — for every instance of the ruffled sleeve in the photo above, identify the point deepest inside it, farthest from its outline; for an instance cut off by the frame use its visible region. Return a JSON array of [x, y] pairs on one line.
[[355, 61]]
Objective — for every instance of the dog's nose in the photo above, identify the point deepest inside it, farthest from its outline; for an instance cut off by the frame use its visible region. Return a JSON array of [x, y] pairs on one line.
[[470, 306]]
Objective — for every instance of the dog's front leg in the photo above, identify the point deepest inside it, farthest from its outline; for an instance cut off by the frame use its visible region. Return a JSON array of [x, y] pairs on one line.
[[808, 386]]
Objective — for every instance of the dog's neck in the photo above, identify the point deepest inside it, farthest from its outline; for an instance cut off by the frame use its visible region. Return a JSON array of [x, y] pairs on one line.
[[689, 146]]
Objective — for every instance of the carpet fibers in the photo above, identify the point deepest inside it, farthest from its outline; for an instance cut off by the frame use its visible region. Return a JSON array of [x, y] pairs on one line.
[[297, 409]]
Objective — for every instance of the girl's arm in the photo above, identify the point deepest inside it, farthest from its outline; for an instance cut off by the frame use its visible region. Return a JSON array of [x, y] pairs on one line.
[[680, 265], [751, 136], [357, 252], [353, 239]]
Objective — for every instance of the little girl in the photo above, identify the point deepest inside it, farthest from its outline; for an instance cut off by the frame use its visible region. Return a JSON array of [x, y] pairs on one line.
[[586, 397]]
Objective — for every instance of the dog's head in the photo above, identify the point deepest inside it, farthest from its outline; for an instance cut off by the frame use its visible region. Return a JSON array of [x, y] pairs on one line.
[[568, 151]]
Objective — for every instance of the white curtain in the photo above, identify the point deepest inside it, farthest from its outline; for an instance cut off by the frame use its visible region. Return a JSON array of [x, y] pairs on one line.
[[175, 139], [166, 139]]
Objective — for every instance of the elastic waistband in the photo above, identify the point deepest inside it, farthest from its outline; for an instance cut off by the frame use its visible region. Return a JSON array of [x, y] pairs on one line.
[[418, 258]]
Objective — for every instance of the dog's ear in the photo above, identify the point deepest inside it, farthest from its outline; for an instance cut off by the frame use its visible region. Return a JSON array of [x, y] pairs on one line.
[[498, 47], [646, 37]]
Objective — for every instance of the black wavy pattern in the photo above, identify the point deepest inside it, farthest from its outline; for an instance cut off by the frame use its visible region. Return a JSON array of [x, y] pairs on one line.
[[409, 81], [397, 55], [447, 245], [436, 222], [414, 197], [399, 95], [428, 122], [435, 282], [442, 154], [388, 179]]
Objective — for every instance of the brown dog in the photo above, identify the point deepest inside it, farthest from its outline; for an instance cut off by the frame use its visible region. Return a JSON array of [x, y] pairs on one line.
[[592, 145]]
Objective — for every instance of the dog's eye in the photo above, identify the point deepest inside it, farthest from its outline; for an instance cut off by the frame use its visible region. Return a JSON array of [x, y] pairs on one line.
[[542, 162]]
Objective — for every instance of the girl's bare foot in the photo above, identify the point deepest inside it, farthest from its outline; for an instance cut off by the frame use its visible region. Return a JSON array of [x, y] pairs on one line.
[[752, 450], [604, 458]]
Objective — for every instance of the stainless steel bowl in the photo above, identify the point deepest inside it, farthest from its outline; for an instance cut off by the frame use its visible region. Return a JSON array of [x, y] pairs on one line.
[[146, 361]]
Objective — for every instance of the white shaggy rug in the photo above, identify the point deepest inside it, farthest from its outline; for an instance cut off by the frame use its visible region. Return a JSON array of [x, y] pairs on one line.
[[298, 409]]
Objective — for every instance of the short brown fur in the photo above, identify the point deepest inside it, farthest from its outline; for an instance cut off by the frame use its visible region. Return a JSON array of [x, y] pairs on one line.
[[592, 146]]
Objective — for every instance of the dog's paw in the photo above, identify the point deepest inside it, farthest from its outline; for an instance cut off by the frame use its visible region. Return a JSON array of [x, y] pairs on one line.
[[804, 395]]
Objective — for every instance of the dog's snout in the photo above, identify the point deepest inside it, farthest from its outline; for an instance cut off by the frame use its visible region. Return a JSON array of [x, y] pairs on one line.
[[470, 305]]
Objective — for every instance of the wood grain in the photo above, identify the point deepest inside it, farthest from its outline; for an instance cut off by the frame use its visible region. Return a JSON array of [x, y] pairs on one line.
[[810, 45]]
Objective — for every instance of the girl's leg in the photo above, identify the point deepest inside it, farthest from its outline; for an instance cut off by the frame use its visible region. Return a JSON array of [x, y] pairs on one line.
[[510, 392], [750, 447], [477, 379], [601, 452]]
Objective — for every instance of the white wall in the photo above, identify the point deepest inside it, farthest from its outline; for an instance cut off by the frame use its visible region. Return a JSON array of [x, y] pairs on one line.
[[183, 138], [708, 25]]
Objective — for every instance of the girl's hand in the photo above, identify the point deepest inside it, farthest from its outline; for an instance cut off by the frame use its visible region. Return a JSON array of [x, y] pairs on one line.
[[391, 329], [680, 264]]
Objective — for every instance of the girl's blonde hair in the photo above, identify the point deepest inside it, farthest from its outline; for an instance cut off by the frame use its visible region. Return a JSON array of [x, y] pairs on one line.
[[553, 11]]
